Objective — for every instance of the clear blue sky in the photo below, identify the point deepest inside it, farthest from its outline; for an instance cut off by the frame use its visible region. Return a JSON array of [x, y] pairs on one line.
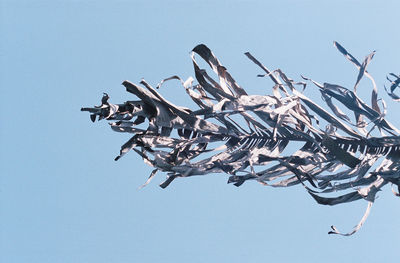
[[63, 198]]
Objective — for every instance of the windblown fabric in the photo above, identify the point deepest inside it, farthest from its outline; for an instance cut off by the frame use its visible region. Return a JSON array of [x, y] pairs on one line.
[[247, 136]]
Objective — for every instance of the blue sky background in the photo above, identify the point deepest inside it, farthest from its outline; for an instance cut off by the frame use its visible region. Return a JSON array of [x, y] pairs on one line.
[[63, 198]]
